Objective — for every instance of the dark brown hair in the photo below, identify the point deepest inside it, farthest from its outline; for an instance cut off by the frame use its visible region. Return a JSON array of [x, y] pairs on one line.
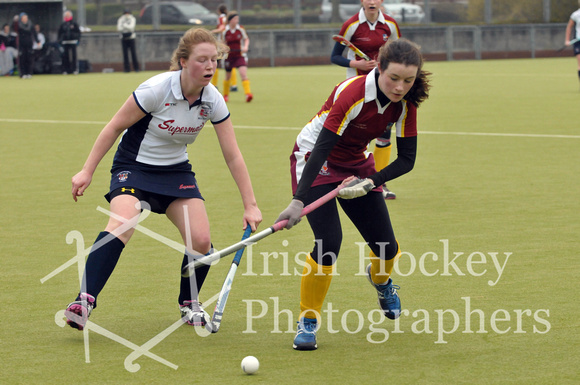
[[403, 51]]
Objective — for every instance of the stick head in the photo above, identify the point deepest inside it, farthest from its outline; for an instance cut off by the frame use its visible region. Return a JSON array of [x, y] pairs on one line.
[[341, 40], [348, 44]]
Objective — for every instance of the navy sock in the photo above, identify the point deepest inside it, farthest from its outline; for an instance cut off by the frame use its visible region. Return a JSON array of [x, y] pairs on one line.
[[101, 263], [197, 279]]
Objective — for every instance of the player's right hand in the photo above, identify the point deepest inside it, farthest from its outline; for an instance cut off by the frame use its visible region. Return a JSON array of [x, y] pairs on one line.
[[80, 182], [365, 65], [292, 213]]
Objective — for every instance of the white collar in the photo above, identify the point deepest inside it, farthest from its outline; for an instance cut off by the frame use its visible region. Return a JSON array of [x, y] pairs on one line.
[[363, 18], [371, 91]]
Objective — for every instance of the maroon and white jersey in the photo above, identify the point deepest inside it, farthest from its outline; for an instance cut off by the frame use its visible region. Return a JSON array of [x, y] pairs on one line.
[[234, 38], [353, 112], [368, 37], [171, 123]]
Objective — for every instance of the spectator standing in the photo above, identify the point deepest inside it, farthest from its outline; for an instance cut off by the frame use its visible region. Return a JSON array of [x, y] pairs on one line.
[[69, 35], [26, 38], [38, 45], [8, 51], [126, 26], [573, 32]]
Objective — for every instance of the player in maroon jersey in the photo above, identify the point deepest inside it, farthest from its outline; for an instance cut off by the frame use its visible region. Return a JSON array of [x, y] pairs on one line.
[[237, 39], [222, 21], [331, 149], [368, 30]]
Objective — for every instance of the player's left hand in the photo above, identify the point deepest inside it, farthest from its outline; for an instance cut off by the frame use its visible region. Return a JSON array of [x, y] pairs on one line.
[[355, 187]]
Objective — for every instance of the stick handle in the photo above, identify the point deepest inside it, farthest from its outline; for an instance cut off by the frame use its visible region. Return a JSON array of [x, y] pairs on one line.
[[240, 252], [208, 259]]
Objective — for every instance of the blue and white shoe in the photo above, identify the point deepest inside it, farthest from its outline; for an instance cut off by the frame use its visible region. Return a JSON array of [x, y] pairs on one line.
[[388, 298], [306, 334]]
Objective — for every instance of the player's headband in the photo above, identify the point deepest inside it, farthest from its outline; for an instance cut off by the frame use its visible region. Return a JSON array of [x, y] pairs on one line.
[[231, 15]]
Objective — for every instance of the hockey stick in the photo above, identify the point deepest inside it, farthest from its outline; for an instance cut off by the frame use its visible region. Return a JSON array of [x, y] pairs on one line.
[[348, 44], [569, 45], [189, 269], [220, 305]]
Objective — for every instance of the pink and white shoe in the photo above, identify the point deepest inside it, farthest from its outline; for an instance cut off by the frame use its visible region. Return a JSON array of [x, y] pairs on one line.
[[77, 313], [193, 314]]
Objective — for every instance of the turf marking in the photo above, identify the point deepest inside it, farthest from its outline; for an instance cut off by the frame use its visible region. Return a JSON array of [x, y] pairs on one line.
[[282, 128]]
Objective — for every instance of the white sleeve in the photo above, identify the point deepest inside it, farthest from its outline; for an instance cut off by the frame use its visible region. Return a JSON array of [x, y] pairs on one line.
[[146, 97]]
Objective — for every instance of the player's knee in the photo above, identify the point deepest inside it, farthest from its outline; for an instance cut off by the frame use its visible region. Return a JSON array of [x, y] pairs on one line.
[[326, 250], [385, 250], [201, 243], [116, 228]]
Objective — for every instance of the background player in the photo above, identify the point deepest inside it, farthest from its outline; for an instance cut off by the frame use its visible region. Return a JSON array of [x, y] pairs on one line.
[[574, 19], [151, 167], [368, 31], [237, 39], [330, 149], [222, 21]]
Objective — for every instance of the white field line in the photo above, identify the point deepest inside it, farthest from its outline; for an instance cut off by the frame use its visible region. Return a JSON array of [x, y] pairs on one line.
[[504, 134]]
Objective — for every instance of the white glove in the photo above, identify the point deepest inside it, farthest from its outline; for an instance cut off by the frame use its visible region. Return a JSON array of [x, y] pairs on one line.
[[356, 188], [292, 213]]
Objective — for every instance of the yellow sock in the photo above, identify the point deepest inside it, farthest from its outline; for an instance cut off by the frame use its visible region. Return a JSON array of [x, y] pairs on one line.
[[233, 78], [214, 79], [381, 269], [382, 156], [226, 87], [313, 288], [246, 85]]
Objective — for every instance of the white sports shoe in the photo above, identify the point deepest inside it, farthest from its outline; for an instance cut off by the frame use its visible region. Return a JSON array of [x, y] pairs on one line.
[[193, 314]]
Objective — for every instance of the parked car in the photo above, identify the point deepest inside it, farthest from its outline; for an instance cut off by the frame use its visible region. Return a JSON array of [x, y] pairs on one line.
[[399, 10], [179, 12], [404, 12]]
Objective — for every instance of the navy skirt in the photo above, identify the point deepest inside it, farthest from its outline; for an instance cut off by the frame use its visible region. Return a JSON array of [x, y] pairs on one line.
[[173, 181]]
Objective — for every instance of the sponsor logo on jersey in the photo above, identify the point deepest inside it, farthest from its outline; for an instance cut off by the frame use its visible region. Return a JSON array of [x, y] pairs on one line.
[[170, 104], [172, 130], [123, 176], [187, 186], [385, 37]]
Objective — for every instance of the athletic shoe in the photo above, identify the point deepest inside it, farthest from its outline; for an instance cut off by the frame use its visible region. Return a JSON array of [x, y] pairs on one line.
[[78, 312], [306, 334], [226, 98], [249, 98], [193, 314], [388, 194], [389, 300], [234, 88]]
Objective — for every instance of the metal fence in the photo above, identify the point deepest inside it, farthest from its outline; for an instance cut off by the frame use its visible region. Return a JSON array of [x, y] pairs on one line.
[[300, 47]]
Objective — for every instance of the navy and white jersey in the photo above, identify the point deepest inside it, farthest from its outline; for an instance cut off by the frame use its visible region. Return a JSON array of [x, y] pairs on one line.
[[575, 16], [162, 136]]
